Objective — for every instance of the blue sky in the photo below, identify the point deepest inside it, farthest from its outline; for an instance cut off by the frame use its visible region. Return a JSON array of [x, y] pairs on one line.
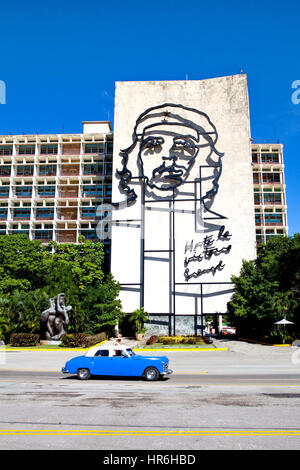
[[60, 60]]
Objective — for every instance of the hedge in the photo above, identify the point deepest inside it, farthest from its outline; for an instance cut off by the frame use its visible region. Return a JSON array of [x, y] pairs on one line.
[[24, 339], [81, 340]]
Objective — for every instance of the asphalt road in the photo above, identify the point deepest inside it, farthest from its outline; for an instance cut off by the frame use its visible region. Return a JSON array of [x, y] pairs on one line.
[[177, 378], [235, 399]]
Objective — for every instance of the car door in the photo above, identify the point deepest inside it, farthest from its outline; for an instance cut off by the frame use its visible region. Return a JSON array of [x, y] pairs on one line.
[[102, 363], [121, 365]]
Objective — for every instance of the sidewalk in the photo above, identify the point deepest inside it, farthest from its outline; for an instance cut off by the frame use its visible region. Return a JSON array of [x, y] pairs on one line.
[[138, 346]]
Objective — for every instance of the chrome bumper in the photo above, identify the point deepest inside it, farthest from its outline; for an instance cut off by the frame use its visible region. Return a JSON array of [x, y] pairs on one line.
[[64, 370], [167, 372]]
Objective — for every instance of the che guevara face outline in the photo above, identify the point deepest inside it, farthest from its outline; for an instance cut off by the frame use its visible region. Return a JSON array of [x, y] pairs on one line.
[[195, 125], [166, 156]]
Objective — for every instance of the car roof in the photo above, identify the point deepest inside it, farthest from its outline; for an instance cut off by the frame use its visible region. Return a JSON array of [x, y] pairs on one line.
[[92, 351]]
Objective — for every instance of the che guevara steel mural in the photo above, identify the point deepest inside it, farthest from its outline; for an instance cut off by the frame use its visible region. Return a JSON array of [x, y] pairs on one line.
[[168, 140]]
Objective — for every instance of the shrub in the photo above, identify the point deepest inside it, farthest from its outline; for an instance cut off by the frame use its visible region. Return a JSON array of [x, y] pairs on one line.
[[81, 340], [74, 340], [152, 340], [24, 339], [169, 341], [185, 340], [91, 340], [192, 340]]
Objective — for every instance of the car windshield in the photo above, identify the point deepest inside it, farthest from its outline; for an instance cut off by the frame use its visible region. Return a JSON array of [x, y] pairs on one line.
[[130, 352]]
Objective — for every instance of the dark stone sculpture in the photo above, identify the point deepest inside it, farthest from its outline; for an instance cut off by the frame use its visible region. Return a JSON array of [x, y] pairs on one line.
[[55, 317]]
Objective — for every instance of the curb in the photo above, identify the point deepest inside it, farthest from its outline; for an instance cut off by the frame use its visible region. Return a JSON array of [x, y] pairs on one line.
[[50, 350], [182, 349], [264, 344], [137, 350]]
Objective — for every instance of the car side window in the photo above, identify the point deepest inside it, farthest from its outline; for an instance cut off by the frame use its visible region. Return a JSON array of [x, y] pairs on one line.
[[102, 353], [117, 352]]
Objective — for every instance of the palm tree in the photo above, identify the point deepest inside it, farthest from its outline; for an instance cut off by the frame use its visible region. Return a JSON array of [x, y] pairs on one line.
[[139, 317]]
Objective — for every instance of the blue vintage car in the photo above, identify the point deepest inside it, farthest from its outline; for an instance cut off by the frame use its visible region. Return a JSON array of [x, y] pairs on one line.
[[117, 361]]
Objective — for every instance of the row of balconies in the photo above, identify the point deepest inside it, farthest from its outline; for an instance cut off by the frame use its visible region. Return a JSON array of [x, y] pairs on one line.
[[269, 200], [57, 149], [278, 220], [52, 191], [59, 235], [56, 170], [46, 214], [267, 178]]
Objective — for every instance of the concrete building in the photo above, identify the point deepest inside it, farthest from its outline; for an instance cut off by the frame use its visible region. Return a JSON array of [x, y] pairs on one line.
[[185, 220], [191, 194], [269, 191], [52, 184]]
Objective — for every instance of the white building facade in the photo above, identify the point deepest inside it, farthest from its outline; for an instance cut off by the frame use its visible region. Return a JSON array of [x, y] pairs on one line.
[[183, 217]]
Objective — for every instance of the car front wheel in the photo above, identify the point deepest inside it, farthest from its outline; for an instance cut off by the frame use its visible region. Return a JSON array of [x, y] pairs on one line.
[[151, 374], [83, 374]]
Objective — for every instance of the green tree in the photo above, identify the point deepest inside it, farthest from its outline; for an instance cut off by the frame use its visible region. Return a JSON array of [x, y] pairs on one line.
[[103, 309], [20, 312], [266, 288], [31, 274], [23, 264], [86, 260]]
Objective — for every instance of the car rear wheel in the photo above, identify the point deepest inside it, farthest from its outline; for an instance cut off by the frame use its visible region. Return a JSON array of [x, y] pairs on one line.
[[83, 374], [151, 374]]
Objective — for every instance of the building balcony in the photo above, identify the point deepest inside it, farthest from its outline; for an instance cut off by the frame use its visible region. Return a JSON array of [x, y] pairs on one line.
[[43, 236], [70, 170], [68, 193], [66, 236], [44, 215], [273, 224], [67, 214]]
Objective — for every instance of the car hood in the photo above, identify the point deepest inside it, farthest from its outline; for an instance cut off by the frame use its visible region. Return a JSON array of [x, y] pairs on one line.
[[160, 358]]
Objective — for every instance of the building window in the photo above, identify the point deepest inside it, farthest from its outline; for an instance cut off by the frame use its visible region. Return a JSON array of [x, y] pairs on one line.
[[108, 169], [89, 234], [3, 213], [49, 149], [24, 170], [108, 191], [47, 170], [46, 191], [44, 213], [88, 212], [93, 148], [270, 158], [92, 169], [43, 234], [5, 170], [273, 219], [4, 191], [258, 220], [92, 190], [271, 178], [272, 198], [109, 147], [6, 150], [24, 191], [22, 213], [26, 149]]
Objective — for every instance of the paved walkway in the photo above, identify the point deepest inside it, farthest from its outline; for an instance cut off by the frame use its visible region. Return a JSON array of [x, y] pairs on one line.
[[128, 342]]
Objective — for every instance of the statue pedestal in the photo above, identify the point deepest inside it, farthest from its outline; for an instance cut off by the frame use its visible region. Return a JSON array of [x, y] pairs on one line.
[[53, 343]]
